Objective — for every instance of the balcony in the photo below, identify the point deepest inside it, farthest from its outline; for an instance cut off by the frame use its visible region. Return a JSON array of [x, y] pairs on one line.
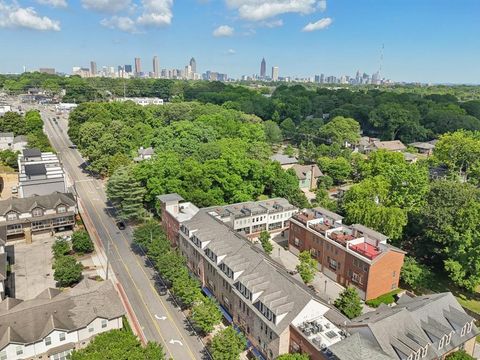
[[341, 237], [366, 249]]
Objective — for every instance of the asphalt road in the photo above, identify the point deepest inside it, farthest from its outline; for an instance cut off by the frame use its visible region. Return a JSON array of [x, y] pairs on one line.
[[160, 320]]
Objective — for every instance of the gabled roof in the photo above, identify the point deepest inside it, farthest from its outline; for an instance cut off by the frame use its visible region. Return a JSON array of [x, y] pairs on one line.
[[302, 170], [357, 347], [394, 145], [31, 320], [23, 205], [284, 159]]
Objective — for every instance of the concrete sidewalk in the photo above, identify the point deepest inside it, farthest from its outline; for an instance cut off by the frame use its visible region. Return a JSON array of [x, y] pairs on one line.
[[326, 288]]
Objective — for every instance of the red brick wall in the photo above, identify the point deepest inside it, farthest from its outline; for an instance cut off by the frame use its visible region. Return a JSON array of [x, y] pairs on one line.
[[170, 225], [305, 346], [384, 273]]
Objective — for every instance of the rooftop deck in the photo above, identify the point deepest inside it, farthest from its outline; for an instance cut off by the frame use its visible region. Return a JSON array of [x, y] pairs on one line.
[[366, 249]]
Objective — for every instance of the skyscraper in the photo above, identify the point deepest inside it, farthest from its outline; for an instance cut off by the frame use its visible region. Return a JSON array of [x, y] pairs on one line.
[[275, 73], [263, 69], [156, 67], [128, 69], [193, 65], [93, 68], [138, 66]]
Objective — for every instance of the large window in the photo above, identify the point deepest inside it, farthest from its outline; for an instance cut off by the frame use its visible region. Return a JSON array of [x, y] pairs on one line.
[[37, 212], [61, 356], [61, 209], [104, 323], [3, 355], [48, 341], [61, 336], [12, 216], [19, 350]]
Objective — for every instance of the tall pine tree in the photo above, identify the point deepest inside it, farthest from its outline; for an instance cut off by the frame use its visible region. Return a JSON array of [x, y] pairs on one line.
[[126, 194]]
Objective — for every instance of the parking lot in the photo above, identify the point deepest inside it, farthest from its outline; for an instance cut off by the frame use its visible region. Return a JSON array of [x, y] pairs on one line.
[[32, 268]]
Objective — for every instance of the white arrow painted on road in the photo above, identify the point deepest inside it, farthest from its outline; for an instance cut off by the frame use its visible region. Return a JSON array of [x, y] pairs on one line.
[[160, 317], [175, 342]]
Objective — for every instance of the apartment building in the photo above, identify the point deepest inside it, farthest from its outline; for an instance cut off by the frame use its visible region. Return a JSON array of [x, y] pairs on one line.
[[39, 173], [3, 268], [54, 323], [275, 312], [23, 218], [350, 255], [248, 218], [425, 327]]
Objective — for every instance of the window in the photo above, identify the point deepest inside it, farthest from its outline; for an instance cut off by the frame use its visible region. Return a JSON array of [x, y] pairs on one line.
[[104, 323], [91, 329], [37, 212], [332, 264], [61, 209], [3, 355], [448, 339], [296, 242], [61, 356], [394, 286], [394, 274], [12, 216], [61, 336], [19, 350], [442, 342], [48, 341]]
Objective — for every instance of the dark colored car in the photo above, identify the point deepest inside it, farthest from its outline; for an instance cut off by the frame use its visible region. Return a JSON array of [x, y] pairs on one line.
[[162, 289], [121, 225]]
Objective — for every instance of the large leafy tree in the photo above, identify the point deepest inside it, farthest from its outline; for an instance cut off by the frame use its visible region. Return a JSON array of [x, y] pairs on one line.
[[449, 232], [118, 344], [460, 152], [127, 194], [265, 241], [227, 345], [414, 274], [81, 242], [307, 266], [206, 314], [349, 303], [68, 271], [459, 355], [340, 130]]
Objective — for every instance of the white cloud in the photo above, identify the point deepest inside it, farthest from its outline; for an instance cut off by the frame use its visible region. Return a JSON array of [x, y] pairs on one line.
[[257, 10], [231, 52], [108, 6], [54, 3], [272, 24], [156, 13], [322, 5], [223, 30], [122, 23], [14, 16], [319, 25]]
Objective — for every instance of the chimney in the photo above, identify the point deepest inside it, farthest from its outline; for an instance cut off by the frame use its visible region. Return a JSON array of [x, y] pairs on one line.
[[313, 183]]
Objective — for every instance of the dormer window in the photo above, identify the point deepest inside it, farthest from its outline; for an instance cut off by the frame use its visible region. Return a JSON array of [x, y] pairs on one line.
[[417, 354], [227, 271], [12, 215], [464, 330], [196, 241], [61, 209], [469, 327], [425, 351], [211, 255], [244, 291], [448, 339], [37, 212]]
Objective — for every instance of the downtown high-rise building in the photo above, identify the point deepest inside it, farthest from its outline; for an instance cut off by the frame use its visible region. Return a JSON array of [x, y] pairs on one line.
[[128, 69], [263, 69], [193, 65], [138, 66], [93, 68], [275, 73], [156, 67]]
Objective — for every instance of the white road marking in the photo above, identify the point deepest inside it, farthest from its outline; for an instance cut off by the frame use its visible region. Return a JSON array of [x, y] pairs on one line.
[[172, 341], [160, 317]]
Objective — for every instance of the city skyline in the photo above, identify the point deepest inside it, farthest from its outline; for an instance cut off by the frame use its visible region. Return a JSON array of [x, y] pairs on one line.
[[310, 38]]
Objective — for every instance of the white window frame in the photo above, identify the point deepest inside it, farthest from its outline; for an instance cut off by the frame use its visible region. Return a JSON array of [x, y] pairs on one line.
[[19, 350], [104, 323], [12, 215], [37, 212], [62, 334], [48, 340], [3, 355]]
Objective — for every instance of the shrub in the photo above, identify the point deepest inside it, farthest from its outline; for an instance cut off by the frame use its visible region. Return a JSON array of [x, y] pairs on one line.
[[68, 271], [81, 242], [60, 248], [388, 298]]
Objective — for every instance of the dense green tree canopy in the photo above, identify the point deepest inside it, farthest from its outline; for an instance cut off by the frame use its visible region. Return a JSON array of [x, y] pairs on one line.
[[227, 345], [349, 303], [118, 344]]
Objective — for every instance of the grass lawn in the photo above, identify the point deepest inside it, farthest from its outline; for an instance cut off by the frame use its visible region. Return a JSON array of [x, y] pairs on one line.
[[388, 298], [442, 283]]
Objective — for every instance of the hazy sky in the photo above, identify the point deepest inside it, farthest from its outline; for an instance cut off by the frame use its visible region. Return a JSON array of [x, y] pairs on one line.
[[425, 40]]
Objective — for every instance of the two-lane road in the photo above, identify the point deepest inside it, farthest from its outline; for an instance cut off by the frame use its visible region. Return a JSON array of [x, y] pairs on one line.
[[160, 320]]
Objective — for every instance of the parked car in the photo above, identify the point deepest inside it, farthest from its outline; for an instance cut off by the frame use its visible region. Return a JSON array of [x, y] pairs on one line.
[[121, 225]]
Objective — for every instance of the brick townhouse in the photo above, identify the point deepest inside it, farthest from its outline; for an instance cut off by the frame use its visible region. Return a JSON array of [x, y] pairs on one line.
[[350, 255]]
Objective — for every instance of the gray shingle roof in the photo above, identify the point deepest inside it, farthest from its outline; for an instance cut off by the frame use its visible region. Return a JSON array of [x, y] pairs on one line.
[[394, 145], [23, 205], [6, 134], [284, 159], [280, 292], [301, 171], [170, 197], [357, 347], [31, 320], [19, 139], [413, 324]]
